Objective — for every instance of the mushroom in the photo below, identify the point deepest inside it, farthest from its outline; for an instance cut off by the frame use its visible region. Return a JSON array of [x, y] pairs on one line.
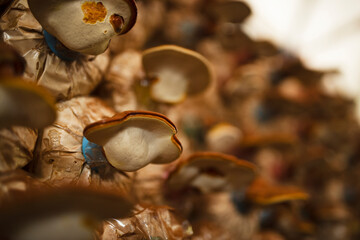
[[211, 172], [175, 72], [85, 26], [60, 213], [233, 11], [23, 103], [230, 14], [223, 137], [264, 193], [59, 157], [63, 79], [258, 140], [133, 139]]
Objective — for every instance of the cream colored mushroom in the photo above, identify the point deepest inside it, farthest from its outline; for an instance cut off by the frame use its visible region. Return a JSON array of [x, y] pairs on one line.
[[175, 72], [25, 104], [85, 26], [133, 139], [212, 172], [223, 137]]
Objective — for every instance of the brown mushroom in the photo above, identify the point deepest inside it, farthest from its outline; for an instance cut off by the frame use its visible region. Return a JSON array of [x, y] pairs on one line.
[[23, 103], [85, 26], [211, 172], [60, 213], [64, 79], [133, 139], [234, 11], [263, 193], [223, 137], [175, 72]]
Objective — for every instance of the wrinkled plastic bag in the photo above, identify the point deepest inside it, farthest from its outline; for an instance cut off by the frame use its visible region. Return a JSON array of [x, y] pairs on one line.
[[148, 222], [63, 79]]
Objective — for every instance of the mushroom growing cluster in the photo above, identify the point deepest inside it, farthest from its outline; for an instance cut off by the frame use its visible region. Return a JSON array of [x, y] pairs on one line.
[[124, 119]]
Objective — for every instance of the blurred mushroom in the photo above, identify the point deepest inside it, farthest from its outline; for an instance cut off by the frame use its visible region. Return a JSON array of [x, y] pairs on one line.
[[175, 72], [85, 26], [234, 11], [133, 139], [263, 193], [268, 139], [211, 172], [60, 213], [224, 138], [25, 104]]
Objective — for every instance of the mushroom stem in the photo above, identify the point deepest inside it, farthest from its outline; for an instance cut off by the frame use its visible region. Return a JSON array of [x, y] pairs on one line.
[[93, 154], [59, 49]]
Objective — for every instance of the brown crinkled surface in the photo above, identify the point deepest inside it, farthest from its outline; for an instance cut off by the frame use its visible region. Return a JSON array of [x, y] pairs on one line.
[[63, 79], [16, 147], [117, 88], [60, 158], [148, 223]]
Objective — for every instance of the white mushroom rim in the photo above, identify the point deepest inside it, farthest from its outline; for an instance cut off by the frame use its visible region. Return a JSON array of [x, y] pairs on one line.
[[176, 72], [212, 172], [133, 139], [85, 26]]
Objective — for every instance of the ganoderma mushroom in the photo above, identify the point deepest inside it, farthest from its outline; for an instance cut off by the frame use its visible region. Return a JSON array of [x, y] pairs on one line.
[[59, 157], [60, 213], [25, 104], [175, 72], [211, 172], [263, 193], [234, 11], [132, 139], [223, 137], [65, 77], [85, 26]]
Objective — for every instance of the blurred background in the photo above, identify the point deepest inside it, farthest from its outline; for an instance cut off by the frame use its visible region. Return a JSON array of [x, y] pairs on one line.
[[325, 34]]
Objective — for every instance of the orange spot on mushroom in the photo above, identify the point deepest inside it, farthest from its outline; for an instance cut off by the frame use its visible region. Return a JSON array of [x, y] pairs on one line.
[[93, 12], [117, 22]]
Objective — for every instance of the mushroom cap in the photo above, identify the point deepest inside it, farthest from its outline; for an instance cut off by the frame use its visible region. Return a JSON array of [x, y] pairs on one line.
[[263, 193], [85, 26], [267, 139], [36, 205], [212, 172], [24, 103], [234, 11], [223, 137], [176, 72], [133, 139]]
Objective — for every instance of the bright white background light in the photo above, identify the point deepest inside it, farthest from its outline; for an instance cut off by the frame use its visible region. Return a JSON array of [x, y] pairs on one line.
[[324, 33]]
